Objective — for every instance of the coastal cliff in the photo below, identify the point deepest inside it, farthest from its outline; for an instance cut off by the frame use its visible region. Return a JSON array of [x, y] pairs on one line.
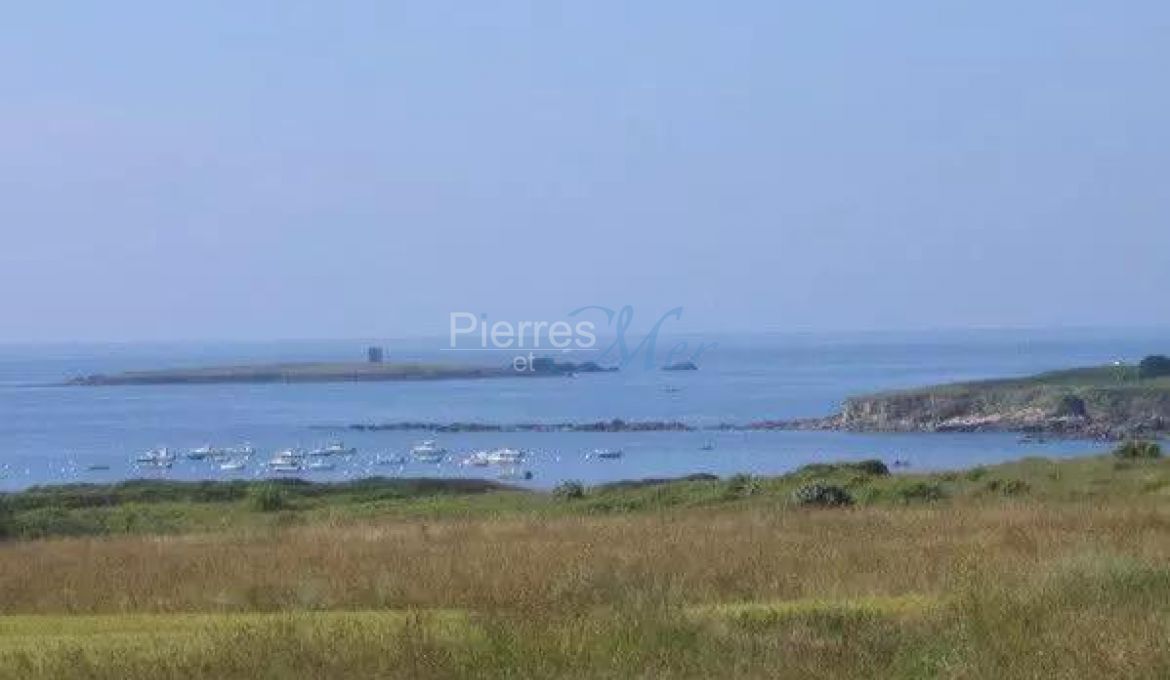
[[1107, 402]]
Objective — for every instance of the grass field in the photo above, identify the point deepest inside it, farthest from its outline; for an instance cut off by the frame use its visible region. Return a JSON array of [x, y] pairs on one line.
[[1031, 569]]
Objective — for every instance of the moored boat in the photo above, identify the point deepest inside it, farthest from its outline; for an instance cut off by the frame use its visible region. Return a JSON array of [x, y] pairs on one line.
[[161, 457], [334, 449], [428, 452], [605, 454]]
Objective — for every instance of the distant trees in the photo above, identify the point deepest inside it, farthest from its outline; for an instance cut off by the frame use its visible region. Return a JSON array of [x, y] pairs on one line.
[[1154, 366]]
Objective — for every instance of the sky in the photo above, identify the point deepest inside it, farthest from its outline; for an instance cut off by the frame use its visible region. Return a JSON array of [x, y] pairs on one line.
[[263, 170]]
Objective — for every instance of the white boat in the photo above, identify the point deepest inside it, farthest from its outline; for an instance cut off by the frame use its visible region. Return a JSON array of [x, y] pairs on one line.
[[392, 460], [159, 457], [504, 456], [477, 459], [428, 452], [605, 453], [245, 450], [321, 465], [203, 452], [288, 460], [232, 465], [334, 449]]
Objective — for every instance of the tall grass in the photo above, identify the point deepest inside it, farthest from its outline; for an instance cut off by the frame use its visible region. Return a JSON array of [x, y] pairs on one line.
[[1066, 576]]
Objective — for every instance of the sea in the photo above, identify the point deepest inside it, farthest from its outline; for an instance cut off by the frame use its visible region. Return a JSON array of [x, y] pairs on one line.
[[54, 434]]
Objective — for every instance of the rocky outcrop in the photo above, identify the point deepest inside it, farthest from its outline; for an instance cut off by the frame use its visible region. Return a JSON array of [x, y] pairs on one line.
[[1055, 404]]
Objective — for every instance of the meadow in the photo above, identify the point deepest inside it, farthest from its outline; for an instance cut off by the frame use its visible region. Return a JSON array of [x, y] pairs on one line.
[[1035, 568]]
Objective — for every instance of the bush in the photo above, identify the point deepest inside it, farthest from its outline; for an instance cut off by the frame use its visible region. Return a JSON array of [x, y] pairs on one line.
[[569, 490], [920, 491], [976, 473], [872, 466], [1070, 406], [823, 495], [1138, 449], [6, 528], [267, 498], [740, 486], [1010, 487], [1154, 366]]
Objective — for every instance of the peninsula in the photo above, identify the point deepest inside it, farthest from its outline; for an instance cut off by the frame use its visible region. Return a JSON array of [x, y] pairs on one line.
[[1105, 402]]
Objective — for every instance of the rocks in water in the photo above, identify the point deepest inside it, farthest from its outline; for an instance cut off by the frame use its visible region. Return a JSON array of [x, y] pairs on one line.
[[548, 366], [615, 425]]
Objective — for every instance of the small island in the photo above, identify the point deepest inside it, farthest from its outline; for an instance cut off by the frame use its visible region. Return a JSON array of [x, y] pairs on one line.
[[320, 372], [1102, 402]]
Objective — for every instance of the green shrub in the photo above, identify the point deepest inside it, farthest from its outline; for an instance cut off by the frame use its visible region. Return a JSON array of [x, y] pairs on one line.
[[1154, 366], [569, 490], [919, 491], [976, 473], [1138, 449], [267, 498], [740, 486], [1070, 406], [872, 466], [6, 530], [1009, 487], [822, 495]]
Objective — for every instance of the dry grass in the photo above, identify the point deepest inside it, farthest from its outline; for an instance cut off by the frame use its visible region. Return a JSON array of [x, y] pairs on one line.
[[696, 556], [984, 588]]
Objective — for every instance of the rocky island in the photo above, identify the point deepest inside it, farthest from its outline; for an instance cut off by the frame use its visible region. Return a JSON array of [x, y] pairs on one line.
[[1107, 402]]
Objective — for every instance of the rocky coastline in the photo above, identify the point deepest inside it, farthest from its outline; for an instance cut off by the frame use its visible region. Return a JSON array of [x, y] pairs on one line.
[[1108, 403]]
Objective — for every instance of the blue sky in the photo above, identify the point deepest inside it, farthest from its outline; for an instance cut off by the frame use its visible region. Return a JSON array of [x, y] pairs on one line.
[[278, 169]]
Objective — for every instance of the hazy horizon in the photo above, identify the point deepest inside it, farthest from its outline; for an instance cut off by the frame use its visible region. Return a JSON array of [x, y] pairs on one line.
[[362, 169]]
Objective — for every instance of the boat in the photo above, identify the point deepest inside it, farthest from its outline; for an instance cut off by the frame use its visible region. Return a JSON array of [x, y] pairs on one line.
[[428, 452], [201, 452], [97, 467], [608, 454], [232, 465], [707, 446], [321, 465], [477, 459], [161, 457], [288, 460], [334, 449], [504, 456], [392, 460], [245, 450]]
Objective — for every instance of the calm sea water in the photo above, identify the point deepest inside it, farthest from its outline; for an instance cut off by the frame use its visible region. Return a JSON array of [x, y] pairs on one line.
[[51, 434]]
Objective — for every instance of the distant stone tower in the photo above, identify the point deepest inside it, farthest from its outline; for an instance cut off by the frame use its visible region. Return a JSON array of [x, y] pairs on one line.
[[375, 355]]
